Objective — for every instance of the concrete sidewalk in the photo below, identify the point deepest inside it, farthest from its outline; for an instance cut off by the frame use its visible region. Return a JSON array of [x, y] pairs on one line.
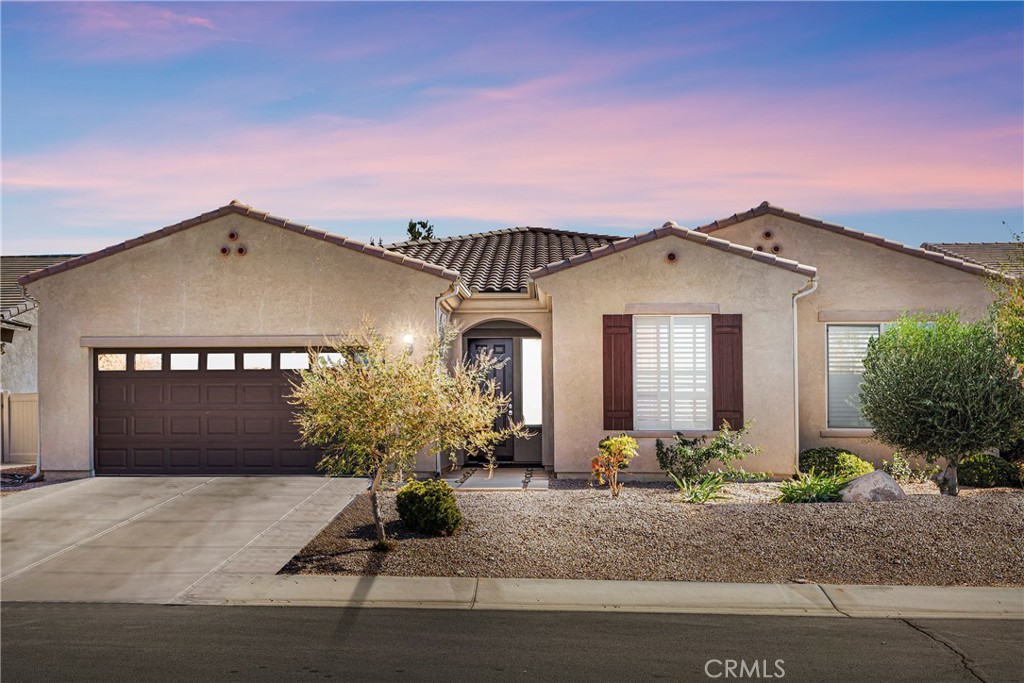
[[623, 596]]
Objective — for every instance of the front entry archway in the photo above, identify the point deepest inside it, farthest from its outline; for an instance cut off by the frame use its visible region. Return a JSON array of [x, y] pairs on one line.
[[520, 377]]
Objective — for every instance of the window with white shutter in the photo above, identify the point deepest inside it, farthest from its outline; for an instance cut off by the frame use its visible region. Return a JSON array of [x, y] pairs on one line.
[[672, 372], [847, 347]]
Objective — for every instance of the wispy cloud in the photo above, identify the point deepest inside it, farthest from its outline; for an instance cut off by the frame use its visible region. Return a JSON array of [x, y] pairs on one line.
[[502, 159], [126, 31], [573, 115]]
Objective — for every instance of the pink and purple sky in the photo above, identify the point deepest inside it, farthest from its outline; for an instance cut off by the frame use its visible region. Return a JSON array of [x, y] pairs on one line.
[[901, 119]]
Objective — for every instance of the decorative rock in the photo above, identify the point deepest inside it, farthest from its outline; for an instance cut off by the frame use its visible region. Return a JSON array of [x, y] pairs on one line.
[[872, 487]]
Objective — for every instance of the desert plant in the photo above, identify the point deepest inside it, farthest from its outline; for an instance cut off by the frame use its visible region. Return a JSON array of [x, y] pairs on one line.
[[686, 458], [613, 455], [900, 469], [812, 487], [987, 471], [741, 476], [700, 491], [829, 460], [374, 412], [942, 389], [429, 507]]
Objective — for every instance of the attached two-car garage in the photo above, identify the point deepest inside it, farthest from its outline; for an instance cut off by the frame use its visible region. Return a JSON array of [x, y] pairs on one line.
[[172, 353], [197, 411]]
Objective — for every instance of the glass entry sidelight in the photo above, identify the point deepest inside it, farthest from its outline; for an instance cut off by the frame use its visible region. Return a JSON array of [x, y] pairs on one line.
[[502, 350]]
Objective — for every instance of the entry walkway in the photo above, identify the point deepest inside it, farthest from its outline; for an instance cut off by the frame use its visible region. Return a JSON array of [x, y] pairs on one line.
[[502, 479]]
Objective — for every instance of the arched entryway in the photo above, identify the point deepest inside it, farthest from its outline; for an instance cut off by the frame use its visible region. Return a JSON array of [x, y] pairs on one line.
[[522, 377]]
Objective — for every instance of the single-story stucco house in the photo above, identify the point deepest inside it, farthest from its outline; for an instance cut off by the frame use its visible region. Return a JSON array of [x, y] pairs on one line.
[[171, 352]]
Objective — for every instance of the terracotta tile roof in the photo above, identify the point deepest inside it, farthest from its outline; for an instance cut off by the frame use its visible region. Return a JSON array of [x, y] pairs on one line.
[[673, 229], [1005, 256], [12, 299], [768, 209], [501, 260], [236, 207]]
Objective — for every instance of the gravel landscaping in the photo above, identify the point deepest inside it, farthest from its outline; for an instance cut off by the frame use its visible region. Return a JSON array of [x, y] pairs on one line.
[[12, 480], [646, 534]]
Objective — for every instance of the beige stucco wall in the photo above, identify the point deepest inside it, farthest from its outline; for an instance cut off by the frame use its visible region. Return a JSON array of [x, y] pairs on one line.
[[18, 362], [287, 284], [857, 280], [581, 295]]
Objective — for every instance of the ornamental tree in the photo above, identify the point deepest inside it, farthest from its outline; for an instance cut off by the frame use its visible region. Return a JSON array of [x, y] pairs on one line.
[[942, 389], [384, 402], [613, 454]]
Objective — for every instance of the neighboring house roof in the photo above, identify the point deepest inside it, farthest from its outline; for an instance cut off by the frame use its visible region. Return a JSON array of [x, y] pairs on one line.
[[768, 209], [12, 298], [501, 260], [673, 229], [1004, 256], [236, 207]]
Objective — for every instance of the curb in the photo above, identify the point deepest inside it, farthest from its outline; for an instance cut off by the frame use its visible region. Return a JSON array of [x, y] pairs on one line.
[[811, 600]]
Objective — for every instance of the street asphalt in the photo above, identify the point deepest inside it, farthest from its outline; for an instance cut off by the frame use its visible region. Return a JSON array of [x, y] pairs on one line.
[[129, 642]]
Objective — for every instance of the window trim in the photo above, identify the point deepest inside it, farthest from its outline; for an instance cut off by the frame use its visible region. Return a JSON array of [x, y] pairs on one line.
[[671, 380]]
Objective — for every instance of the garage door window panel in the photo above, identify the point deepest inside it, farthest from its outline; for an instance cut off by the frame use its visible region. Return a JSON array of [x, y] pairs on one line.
[[149, 362], [258, 361], [112, 362], [220, 361], [184, 361]]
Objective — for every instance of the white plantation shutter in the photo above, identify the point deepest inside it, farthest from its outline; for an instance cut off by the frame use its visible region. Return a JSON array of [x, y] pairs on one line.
[[691, 372], [672, 372], [847, 347], [652, 372]]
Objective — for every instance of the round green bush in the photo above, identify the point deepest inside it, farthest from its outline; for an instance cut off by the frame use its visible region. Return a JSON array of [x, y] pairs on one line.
[[987, 471], [830, 461], [429, 507]]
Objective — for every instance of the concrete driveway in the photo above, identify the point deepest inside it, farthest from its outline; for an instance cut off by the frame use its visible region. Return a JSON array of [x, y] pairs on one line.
[[156, 539]]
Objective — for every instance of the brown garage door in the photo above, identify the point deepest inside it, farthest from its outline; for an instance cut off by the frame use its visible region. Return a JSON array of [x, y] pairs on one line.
[[196, 411]]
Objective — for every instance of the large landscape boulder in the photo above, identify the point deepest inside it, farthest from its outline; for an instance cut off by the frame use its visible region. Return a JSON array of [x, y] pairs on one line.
[[872, 487]]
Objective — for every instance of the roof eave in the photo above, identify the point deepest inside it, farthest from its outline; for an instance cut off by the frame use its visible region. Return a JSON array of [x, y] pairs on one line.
[[677, 231], [766, 208], [238, 208]]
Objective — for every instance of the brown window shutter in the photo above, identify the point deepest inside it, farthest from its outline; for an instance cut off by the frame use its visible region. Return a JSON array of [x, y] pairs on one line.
[[727, 370], [618, 372]]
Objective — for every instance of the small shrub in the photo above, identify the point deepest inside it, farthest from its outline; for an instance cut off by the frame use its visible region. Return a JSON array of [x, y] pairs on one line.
[[613, 454], [702, 490], [902, 471], [812, 488], [987, 471], [686, 458], [741, 476], [429, 507], [834, 461]]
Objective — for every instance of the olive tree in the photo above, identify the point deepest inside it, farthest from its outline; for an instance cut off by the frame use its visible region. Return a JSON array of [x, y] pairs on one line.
[[942, 388], [385, 401]]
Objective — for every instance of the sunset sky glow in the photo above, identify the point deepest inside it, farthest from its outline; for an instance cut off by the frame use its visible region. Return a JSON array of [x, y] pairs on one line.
[[905, 120]]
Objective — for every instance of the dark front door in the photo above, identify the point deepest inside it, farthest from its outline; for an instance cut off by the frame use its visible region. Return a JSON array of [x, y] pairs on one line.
[[196, 411], [502, 350]]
